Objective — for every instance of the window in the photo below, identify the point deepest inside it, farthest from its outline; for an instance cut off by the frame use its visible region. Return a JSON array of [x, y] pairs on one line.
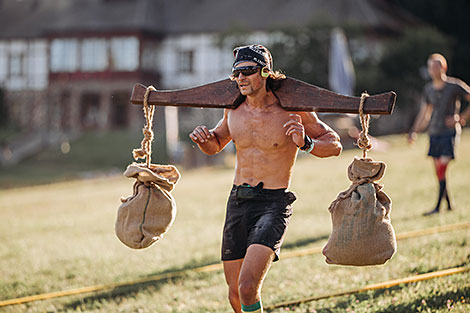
[[64, 55], [17, 58], [125, 53], [186, 61], [4, 59], [16, 65], [93, 55], [149, 56]]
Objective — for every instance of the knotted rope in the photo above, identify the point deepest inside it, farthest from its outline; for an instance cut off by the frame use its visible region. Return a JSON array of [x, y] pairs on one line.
[[145, 150], [363, 141], [365, 144]]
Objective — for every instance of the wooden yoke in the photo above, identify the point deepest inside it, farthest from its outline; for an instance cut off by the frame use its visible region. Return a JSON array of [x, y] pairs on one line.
[[293, 95]]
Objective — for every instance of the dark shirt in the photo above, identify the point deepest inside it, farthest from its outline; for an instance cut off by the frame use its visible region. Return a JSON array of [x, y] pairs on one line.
[[445, 102]]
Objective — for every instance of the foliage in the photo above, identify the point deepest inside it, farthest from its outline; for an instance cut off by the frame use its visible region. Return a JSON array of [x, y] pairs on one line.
[[393, 63], [303, 54], [450, 17], [402, 67]]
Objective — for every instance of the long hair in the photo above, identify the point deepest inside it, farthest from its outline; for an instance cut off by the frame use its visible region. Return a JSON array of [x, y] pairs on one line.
[[274, 80], [273, 83]]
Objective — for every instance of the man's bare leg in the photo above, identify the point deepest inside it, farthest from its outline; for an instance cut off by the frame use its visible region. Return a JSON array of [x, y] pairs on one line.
[[258, 260], [232, 272]]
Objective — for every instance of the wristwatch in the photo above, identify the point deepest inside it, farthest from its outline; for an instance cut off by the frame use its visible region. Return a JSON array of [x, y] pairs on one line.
[[309, 144]]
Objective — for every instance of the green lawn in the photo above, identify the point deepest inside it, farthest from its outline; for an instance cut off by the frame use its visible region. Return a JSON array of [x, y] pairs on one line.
[[91, 154], [60, 236]]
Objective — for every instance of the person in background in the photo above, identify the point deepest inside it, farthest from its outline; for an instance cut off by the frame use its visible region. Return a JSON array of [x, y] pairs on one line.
[[441, 112]]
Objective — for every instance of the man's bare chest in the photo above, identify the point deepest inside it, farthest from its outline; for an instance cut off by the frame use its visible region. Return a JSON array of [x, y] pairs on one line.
[[255, 129]]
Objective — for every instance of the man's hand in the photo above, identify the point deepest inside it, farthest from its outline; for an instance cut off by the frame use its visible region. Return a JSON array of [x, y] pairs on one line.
[[455, 119], [412, 137], [295, 128], [201, 134]]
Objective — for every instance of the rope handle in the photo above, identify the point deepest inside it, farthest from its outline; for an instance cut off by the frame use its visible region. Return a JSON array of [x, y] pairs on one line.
[[364, 141], [145, 150]]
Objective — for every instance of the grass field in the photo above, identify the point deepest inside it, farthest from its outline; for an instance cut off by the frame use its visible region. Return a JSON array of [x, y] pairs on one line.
[[61, 236], [91, 154]]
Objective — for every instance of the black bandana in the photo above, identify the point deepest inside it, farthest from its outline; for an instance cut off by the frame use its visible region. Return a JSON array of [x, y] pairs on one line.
[[254, 53]]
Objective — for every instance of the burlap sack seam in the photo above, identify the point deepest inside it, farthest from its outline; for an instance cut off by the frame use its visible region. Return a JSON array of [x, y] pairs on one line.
[[141, 226]]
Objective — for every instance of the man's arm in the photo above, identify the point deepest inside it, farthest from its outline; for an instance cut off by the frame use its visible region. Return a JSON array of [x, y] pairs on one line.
[[325, 140], [421, 121], [465, 115], [212, 141]]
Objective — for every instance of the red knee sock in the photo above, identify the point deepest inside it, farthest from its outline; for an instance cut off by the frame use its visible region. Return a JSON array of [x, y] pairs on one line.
[[441, 171]]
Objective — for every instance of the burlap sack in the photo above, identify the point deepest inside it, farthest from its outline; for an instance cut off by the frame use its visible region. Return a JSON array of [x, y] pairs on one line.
[[362, 232], [144, 217]]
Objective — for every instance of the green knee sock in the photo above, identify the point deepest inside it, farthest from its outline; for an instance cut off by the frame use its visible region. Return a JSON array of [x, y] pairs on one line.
[[253, 308]]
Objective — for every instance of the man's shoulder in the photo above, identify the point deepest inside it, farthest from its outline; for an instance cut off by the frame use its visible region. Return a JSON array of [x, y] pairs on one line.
[[458, 83], [454, 80]]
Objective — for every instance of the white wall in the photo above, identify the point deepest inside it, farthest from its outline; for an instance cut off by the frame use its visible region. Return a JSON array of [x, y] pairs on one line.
[[37, 63], [210, 63]]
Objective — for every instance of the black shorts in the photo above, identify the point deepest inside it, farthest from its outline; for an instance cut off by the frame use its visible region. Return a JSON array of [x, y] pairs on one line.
[[255, 216], [442, 145]]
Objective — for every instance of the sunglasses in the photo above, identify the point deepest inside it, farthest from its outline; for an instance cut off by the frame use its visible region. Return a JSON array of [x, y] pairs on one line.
[[245, 70]]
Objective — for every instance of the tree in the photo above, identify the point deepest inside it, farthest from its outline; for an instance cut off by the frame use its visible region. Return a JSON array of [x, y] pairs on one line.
[[451, 18]]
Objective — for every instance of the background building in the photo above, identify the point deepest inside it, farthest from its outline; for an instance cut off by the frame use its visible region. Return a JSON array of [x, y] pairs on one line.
[[69, 66]]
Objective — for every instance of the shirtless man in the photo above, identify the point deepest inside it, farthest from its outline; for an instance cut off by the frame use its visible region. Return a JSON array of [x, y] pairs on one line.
[[442, 103], [267, 140]]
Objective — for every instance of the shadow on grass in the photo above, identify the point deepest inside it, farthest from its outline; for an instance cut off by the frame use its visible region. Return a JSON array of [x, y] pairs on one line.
[[123, 293], [119, 294], [322, 238], [183, 273], [422, 269], [304, 242], [176, 275], [431, 301]]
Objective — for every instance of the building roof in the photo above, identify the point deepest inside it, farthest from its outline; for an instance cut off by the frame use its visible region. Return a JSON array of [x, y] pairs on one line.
[[36, 18], [33, 18], [213, 15]]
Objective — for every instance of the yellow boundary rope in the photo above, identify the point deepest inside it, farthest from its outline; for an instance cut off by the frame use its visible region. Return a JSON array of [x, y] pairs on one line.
[[154, 278], [216, 267]]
